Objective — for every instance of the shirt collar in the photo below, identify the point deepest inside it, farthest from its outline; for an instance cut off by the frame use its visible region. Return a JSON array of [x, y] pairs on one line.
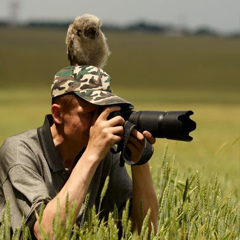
[[49, 150]]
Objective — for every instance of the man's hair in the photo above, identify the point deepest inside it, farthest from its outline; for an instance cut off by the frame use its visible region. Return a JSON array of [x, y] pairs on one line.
[[67, 101]]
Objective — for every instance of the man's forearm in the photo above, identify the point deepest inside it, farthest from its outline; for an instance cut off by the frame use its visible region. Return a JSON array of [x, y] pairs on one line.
[[144, 197], [76, 188]]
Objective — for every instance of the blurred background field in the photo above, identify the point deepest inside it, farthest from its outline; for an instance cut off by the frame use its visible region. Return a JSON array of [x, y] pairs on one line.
[[154, 72]]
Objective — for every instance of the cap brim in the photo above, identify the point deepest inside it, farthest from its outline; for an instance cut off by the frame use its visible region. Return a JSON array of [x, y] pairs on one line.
[[103, 98]]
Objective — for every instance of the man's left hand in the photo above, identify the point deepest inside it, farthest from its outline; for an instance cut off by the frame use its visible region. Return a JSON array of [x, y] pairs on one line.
[[136, 143]]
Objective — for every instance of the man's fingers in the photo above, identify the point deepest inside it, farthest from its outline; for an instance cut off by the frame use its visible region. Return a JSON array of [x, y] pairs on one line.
[[105, 113], [149, 137]]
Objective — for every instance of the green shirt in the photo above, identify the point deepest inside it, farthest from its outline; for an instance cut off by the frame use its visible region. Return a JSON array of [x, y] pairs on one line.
[[31, 171]]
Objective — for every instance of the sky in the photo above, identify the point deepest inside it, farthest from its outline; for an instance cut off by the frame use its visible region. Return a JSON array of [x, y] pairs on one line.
[[221, 15]]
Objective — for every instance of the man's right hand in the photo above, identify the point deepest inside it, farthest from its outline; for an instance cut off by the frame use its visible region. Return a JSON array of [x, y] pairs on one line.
[[104, 133]]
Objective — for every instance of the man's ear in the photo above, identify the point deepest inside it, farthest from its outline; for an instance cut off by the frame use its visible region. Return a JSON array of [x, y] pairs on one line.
[[56, 113]]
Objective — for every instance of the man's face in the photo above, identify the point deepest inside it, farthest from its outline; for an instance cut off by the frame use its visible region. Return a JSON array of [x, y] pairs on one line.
[[77, 122]]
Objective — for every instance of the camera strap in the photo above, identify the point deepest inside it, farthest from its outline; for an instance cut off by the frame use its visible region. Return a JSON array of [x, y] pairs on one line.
[[124, 157]]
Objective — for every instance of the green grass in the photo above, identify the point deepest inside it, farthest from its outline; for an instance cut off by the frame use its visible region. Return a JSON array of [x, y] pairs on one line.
[[188, 209], [185, 63], [155, 61], [154, 73], [215, 145]]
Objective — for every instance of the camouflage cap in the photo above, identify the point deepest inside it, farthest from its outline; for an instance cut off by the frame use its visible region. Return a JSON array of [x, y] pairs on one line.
[[88, 82]]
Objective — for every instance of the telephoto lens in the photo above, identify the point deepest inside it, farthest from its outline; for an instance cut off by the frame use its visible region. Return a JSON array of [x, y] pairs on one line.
[[175, 125]]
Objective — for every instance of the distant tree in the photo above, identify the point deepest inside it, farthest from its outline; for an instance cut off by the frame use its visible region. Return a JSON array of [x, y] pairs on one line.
[[49, 24], [3, 24], [203, 31], [144, 26]]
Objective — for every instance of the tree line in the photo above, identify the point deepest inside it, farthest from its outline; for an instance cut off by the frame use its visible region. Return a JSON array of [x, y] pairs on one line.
[[140, 26]]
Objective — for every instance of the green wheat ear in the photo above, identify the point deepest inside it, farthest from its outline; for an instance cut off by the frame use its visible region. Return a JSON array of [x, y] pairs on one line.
[[44, 235], [6, 222], [67, 204], [103, 192], [86, 201], [56, 220], [113, 230], [16, 234], [3, 226], [41, 212], [125, 216], [145, 229]]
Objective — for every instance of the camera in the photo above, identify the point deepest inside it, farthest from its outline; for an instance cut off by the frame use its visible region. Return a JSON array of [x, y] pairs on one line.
[[175, 125]]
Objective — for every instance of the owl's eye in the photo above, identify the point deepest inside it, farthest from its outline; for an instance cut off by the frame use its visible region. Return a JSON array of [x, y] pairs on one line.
[[79, 32]]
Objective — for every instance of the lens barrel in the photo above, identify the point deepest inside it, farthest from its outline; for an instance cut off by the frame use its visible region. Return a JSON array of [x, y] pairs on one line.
[[174, 125]]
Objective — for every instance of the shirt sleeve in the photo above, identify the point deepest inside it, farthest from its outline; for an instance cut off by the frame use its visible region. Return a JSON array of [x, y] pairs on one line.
[[27, 192], [22, 183]]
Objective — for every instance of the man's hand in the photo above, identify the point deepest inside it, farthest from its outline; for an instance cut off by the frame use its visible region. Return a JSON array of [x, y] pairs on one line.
[[136, 143], [105, 133]]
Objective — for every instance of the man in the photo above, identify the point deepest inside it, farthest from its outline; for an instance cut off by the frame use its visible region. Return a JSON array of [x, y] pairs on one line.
[[70, 155]]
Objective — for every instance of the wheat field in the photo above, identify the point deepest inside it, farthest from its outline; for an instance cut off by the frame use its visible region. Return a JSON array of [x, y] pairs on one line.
[[198, 182]]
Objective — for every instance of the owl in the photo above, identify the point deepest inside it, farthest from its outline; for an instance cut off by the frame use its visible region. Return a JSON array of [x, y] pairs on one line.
[[86, 43]]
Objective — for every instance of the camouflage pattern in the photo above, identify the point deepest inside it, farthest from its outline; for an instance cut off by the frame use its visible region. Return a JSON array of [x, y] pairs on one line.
[[88, 82]]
